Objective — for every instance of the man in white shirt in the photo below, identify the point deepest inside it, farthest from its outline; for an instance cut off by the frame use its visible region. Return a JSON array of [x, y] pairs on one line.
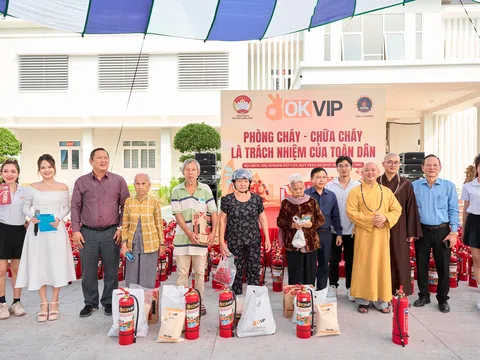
[[341, 186]]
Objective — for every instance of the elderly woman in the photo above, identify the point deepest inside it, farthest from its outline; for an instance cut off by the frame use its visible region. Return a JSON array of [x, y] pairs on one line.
[[302, 262], [143, 229], [240, 214]]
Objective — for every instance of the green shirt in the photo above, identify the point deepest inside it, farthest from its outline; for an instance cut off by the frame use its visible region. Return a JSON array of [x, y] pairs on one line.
[[185, 204]]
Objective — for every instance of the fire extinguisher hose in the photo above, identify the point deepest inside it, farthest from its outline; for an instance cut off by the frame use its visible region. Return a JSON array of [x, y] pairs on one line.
[[313, 311], [234, 325], [136, 320]]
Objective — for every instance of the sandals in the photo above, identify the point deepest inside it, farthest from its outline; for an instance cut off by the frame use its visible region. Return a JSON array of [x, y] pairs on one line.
[[53, 314], [42, 316], [362, 309], [384, 311]]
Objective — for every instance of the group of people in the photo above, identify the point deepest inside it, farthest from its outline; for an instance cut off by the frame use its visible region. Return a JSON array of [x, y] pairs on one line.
[[373, 221], [41, 254]]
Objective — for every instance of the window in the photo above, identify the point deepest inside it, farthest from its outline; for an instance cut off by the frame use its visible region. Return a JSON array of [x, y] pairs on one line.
[[139, 154], [373, 37], [277, 83], [326, 43], [117, 72], [42, 73], [418, 37], [70, 155], [203, 71]]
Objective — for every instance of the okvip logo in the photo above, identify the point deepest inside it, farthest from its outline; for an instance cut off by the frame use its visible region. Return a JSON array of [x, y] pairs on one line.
[[282, 109]]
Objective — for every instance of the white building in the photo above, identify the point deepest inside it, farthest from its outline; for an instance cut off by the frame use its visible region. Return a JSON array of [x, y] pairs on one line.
[[65, 95]]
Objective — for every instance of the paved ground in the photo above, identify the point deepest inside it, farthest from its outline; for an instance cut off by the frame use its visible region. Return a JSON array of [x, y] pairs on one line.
[[433, 335]]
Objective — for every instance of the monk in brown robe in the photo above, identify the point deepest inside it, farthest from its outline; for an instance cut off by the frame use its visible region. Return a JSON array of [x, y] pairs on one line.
[[408, 227]]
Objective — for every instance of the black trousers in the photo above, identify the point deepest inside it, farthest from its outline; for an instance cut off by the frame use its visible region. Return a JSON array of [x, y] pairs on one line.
[[247, 258], [302, 267], [323, 257], [336, 257], [433, 239]]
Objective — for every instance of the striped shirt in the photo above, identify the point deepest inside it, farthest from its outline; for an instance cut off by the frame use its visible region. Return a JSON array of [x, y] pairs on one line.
[[185, 204], [150, 213]]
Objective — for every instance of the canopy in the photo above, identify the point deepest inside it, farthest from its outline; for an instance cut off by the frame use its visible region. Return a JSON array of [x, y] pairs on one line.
[[221, 20]]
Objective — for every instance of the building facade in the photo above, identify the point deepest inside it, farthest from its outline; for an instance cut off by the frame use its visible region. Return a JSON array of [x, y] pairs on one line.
[[65, 95]]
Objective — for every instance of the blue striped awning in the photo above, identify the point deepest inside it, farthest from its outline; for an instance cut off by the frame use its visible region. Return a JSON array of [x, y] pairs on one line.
[[221, 20]]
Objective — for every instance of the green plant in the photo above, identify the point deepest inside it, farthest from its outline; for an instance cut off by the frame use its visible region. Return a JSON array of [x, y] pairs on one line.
[[196, 138], [9, 145], [165, 191]]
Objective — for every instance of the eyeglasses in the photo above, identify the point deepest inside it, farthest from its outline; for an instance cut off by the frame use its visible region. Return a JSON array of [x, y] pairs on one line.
[[342, 166], [393, 163]]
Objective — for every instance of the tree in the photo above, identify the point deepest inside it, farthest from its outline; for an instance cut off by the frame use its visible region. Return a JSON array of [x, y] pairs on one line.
[[9, 145], [196, 138]]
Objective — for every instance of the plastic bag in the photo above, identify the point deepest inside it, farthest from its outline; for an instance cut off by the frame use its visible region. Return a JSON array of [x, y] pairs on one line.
[[172, 317], [226, 271], [326, 318], [148, 298], [142, 329], [257, 317], [299, 239]]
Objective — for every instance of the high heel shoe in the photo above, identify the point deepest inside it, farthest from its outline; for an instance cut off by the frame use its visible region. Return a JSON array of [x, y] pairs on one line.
[[42, 316], [55, 314]]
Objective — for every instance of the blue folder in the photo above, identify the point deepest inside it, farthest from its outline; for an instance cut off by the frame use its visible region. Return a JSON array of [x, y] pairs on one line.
[[45, 220]]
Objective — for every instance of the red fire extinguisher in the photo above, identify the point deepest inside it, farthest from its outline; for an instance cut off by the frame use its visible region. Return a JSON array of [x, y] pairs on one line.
[[305, 313], [453, 273], [277, 272], [206, 276], [121, 267], [127, 320], [192, 275], [463, 265], [174, 261], [193, 303], [472, 281], [263, 270], [9, 270], [400, 318], [412, 273], [432, 276], [226, 303], [100, 269], [163, 267], [169, 252], [77, 263]]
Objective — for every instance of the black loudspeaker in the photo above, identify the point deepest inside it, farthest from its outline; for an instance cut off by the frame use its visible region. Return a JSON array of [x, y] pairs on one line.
[[207, 170], [214, 188], [412, 157], [411, 170], [206, 159]]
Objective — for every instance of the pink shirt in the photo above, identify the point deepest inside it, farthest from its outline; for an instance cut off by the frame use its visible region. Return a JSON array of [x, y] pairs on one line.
[[98, 203]]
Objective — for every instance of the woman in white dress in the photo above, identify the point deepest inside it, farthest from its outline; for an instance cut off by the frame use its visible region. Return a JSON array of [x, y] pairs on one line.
[[47, 256]]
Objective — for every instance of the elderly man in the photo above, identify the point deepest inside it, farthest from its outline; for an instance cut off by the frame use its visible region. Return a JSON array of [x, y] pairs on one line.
[[374, 210], [438, 207], [189, 198], [97, 205], [143, 229], [408, 227]]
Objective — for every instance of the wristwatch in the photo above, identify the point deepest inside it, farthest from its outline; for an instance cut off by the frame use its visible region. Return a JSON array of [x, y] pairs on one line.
[[119, 228]]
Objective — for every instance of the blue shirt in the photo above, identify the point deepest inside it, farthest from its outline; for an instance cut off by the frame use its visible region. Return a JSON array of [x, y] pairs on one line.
[[437, 204], [329, 207]]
